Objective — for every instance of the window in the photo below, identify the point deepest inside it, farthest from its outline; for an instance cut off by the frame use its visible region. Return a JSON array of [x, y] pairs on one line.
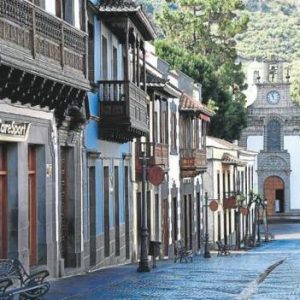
[[273, 136], [203, 134], [155, 127], [40, 3], [218, 185], [68, 11], [228, 183], [197, 133], [224, 186], [91, 52], [58, 8], [173, 133], [242, 182], [104, 59], [273, 73], [115, 63]]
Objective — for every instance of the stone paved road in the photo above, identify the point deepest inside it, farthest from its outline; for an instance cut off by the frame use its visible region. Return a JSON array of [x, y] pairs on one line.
[[233, 277]]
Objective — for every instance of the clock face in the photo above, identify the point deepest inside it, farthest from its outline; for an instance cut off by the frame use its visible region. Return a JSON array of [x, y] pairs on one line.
[[273, 97]]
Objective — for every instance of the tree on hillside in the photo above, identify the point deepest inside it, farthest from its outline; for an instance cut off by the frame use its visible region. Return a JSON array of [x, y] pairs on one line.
[[200, 41]]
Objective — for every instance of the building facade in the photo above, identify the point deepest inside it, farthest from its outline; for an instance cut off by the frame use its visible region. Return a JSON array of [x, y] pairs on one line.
[[273, 131], [177, 144], [118, 113], [43, 66], [231, 173]]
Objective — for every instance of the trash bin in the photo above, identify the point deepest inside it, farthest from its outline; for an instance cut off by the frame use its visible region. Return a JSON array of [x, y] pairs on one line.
[[154, 250]]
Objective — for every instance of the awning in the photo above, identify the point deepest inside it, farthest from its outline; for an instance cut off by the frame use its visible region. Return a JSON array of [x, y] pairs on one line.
[[205, 118], [155, 83], [188, 103], [231, 160]]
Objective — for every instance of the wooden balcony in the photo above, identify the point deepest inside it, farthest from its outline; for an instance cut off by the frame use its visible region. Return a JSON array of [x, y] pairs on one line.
[[123, 111], [37, 42], [192, 162], [158, 155]]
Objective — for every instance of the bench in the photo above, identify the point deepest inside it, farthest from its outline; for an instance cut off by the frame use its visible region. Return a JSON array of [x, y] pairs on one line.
[[29, 292], [182, 253], [267, 236], [222, 249], [30, 286]]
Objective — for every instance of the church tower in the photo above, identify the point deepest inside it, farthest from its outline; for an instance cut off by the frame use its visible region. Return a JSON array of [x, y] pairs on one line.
[[274, 131]]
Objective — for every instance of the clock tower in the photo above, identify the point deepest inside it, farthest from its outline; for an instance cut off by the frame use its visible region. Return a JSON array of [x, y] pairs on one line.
[[273, 131]]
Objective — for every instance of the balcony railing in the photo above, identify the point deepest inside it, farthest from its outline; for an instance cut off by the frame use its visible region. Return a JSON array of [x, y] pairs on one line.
[[30, 27], [123, 109], [192, 162], [157, 153]]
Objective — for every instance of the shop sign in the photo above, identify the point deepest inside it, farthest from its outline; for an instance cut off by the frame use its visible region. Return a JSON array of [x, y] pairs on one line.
[[13, 131], [156, 175], [244, 211], [213, 205], [229, 203]]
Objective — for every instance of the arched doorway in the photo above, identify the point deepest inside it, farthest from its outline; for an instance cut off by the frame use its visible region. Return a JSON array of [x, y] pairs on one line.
[[274, 193]]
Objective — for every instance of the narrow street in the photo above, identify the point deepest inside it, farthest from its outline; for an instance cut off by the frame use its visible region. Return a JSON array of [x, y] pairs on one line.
[[267, 272]]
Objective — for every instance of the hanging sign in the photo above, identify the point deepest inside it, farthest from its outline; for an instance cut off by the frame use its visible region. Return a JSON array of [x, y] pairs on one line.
[[13, 131], [244, 211], [156, 175], [213, 205], [229, 203]]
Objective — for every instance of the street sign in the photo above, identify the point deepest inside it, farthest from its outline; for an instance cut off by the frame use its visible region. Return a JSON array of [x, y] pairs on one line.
[[156, 175], [213, 205]]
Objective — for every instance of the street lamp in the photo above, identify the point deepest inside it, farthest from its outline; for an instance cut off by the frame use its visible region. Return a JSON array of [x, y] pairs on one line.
[[266, 216], [237, 228], [206, 250], [144, 263], [258, 223]]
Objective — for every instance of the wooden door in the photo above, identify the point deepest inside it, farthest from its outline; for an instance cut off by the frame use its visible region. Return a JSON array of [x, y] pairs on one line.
[[3, 202], [92, 197], [64, 206], [165, 232], [175, 220], [32, 207], [190, 222], [106, 213], [127, 214], [198, 220]]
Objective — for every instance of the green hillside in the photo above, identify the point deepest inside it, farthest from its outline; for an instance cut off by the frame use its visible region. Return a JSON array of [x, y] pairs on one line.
[[274, 29]]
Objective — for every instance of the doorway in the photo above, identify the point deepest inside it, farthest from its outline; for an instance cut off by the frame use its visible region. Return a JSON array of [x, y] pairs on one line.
[[165, 233], [3, 202], [32, 205], [92, 198], [274, 193]]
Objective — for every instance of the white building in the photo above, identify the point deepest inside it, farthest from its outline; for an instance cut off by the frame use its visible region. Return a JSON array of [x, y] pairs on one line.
[[231, 171]]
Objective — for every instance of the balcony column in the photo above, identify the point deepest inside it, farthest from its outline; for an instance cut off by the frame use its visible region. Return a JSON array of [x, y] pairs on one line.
[[144, 70], [126, 63], [138, 61], [134, 54]]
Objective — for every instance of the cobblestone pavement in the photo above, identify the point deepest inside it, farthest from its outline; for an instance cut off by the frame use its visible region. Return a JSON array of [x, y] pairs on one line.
[[238, 276]]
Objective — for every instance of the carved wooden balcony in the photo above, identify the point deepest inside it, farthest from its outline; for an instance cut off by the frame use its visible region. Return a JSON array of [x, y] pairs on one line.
[[157, 153], [192, 162], [123, 111], [35, 41]]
